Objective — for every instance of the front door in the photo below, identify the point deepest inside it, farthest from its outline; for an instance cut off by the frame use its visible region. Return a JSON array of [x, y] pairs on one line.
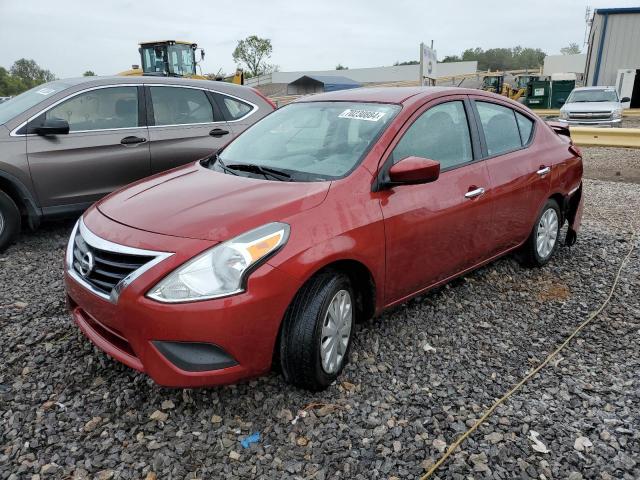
[[186, 125], [436, 230], [106, 148]]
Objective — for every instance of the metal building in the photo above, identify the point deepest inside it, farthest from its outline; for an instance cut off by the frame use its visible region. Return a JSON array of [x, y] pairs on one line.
[[320, 83], [614, 45]]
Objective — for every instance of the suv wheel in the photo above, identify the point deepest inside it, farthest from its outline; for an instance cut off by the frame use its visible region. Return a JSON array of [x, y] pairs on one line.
[[9, 221], [317, 330]]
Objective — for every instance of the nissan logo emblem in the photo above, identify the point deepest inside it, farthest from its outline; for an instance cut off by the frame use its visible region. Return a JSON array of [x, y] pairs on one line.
[[86, 264]]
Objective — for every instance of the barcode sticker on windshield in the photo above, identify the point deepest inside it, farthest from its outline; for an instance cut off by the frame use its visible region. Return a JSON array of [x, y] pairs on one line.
[[45, 91], [368, 115]]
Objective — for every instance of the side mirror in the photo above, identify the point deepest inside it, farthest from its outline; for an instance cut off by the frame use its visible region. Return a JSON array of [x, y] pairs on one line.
[[414, 170], [52, 126], [625, 100]]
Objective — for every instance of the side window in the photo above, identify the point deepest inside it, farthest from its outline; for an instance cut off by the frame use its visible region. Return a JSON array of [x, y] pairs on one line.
[[180, 106], [500, 128], [103, 108], [526, 127], [236, 108], [441, 133]]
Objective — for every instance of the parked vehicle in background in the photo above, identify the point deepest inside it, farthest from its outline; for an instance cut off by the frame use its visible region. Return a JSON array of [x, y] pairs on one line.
[[68, 143], [327, 211], [593, 106]]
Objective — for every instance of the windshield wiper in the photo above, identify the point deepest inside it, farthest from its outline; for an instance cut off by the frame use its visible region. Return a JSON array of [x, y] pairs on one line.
[[222, 165], [265, 171]]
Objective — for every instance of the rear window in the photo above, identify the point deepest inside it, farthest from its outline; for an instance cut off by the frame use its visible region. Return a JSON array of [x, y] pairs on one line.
[[500, 128], [526, 127], [236, 108]]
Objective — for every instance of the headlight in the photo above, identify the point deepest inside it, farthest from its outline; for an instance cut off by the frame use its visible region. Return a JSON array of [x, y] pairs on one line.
[[221, 270], [564, 115], [617, 113]]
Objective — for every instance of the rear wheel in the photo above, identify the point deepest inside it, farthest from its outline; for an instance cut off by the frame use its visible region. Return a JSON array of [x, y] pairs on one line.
[[317, 331], [9, 221], [543, 241]]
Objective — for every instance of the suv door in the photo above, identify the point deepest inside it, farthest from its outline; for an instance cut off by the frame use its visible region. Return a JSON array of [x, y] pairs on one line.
[[436, 230], [185, 125], [106, 148], [518, 170]]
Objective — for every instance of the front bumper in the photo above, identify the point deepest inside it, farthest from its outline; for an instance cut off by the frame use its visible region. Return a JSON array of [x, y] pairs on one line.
[[194, 344], [593, 123]]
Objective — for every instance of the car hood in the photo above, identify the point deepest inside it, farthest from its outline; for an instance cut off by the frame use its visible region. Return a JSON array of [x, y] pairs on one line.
[[590, 107], [195, 202]]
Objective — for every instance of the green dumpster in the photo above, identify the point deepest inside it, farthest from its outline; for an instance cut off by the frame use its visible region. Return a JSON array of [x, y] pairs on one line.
[[560, 90], [539, 94]]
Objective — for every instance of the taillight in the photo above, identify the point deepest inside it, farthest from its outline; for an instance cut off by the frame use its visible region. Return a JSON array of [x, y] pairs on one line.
[[259, 93]]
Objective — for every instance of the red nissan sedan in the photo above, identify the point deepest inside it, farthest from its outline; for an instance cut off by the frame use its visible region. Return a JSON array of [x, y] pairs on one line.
[[327, 211]]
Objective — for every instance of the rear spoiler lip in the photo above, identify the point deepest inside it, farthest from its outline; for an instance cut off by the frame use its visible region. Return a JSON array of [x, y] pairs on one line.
[[560, 128]]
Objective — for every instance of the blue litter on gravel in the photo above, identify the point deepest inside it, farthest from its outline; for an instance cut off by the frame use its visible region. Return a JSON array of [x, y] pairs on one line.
[[248, 440]]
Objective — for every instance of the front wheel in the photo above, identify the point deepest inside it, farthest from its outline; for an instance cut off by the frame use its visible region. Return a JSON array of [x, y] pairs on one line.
[[9, 221], [317, 330], [543, 241]]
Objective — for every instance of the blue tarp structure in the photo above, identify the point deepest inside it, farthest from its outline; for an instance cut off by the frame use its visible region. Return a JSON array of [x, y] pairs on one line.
[[320, 83]]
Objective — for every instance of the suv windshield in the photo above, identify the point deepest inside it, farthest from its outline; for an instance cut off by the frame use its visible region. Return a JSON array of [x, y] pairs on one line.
[[15, 106], [309, 141], [604, 95]]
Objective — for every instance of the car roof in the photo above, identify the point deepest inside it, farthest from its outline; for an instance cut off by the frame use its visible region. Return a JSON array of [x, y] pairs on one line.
[[398, 95], [116, 79]]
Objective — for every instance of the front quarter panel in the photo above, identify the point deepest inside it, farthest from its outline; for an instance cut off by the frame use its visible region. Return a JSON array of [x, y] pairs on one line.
[[346, 226]]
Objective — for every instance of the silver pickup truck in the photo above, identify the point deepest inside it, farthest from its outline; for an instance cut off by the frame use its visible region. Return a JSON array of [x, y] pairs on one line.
[[593, 106]]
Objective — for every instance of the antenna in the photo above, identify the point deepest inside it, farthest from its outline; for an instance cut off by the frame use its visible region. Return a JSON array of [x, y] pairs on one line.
[[588, 19]]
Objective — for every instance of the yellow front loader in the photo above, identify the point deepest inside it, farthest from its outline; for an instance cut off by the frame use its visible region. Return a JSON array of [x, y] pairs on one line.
[[172, 58]]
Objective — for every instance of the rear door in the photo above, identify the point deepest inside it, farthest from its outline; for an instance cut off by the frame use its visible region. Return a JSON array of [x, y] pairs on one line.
[[185, 124], [519, 172], [434, 231], [106, 148]]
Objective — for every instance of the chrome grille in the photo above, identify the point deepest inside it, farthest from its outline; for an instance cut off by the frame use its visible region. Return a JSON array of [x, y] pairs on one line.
[[104, 267], [589, 115], [109, 268]]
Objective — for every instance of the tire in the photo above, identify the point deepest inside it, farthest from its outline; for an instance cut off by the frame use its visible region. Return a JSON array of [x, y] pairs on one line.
[[538, 250], [305, 331], [9, 221]]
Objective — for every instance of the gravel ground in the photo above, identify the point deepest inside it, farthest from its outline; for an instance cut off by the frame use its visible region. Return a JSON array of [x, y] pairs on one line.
[[419, 376]]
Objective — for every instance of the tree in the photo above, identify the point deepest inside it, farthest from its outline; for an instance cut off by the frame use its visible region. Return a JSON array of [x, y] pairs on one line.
[[30, 73], [10, 85], [410, 62], [88, 73], [253, 52], [341, 67], [571, 49]]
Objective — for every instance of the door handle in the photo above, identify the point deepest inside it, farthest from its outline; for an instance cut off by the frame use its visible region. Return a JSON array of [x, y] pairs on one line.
[[132, 140], [474, 193], [543, 171], [218, 132]]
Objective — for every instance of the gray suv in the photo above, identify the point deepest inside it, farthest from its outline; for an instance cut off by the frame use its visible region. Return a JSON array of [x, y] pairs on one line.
[[66, 144]]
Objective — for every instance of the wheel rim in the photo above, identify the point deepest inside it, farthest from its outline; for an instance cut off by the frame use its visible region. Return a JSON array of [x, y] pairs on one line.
[[1, 223], [336, 330], [547, 233]]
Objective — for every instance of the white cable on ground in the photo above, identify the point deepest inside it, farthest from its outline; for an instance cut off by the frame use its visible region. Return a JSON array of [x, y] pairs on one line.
[[533, 373]]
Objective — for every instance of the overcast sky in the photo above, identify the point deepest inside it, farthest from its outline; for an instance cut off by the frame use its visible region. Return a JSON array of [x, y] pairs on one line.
[[71, 36]]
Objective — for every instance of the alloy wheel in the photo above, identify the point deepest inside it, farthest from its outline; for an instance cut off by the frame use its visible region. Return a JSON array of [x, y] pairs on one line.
[[336, 330], [547, 233]]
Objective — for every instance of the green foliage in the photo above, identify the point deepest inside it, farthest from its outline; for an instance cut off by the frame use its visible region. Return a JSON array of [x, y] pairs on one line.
[[410, 62], [571, 49], [88, 73], [515, 58], [341, 67], [252, 52], [23, 75]]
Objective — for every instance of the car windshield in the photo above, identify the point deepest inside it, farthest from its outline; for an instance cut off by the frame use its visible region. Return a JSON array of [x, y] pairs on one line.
[[308, 141], [603, 95], [15, 106]]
